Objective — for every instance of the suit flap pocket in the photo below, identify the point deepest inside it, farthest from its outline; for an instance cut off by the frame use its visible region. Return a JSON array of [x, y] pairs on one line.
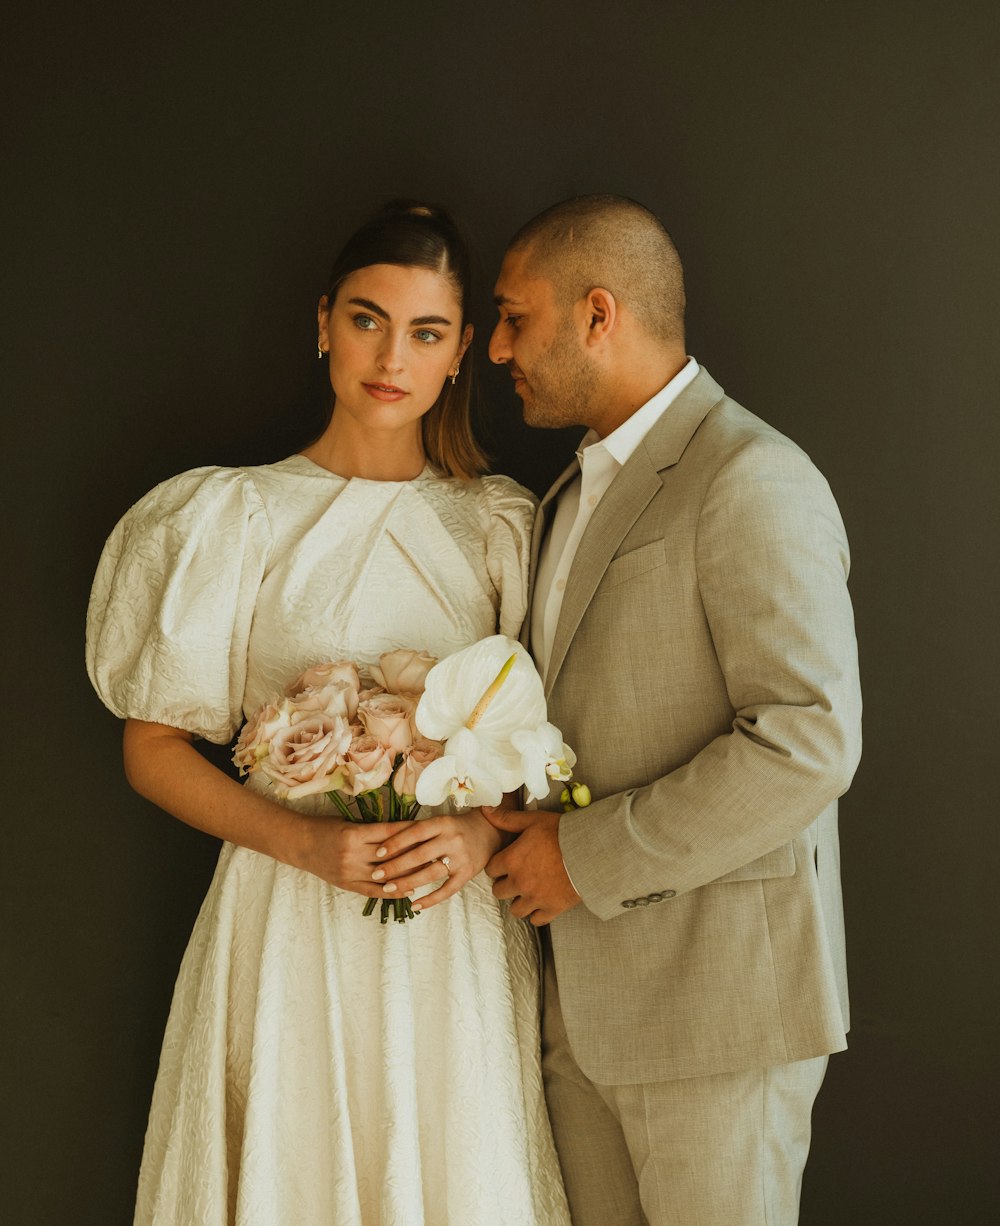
[[777, 863], [636, 562]]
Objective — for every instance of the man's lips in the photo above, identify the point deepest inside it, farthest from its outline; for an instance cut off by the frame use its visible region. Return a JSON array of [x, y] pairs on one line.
[[384, 391]]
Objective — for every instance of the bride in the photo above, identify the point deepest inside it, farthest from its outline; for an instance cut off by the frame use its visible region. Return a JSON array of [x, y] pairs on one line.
[[318, 1068]]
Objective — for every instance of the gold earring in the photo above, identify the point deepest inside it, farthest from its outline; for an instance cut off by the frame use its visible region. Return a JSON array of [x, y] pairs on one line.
[[454, 376], [319, 349]]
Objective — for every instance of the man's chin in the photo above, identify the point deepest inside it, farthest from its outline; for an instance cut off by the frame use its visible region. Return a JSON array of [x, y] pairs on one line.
[[541, 418]]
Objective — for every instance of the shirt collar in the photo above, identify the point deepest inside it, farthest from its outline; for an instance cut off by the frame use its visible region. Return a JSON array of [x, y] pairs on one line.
[[623, 440]]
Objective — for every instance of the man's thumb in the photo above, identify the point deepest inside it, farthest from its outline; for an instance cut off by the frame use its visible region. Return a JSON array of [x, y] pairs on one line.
[[511, 820]]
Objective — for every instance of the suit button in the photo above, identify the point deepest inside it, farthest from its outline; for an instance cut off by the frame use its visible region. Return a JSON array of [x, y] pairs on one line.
[[642, 902], [669, 894], [628, 902], [656, 898]]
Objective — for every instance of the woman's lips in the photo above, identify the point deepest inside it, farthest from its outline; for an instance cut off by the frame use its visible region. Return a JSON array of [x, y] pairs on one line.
[[384, 391]]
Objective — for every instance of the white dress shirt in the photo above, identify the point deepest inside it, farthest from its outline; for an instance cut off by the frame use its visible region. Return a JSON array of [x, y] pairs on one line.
[[600, 461]]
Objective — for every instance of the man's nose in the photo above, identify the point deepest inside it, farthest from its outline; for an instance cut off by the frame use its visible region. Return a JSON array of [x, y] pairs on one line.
[[499, 350]]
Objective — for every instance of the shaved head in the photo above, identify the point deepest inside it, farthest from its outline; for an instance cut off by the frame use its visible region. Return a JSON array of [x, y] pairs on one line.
[[612, 243]]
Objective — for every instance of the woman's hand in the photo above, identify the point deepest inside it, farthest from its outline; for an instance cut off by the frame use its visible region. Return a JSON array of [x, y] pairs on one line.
[[343, 853], [424, 851]]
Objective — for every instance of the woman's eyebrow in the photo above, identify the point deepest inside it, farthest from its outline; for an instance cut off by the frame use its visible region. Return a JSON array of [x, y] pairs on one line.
[[414, 323]]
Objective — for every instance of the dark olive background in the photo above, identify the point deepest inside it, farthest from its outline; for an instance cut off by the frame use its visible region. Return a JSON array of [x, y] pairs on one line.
[[178, 178]]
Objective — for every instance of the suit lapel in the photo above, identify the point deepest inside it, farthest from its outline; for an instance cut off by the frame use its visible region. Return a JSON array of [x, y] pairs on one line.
[[626, 498]]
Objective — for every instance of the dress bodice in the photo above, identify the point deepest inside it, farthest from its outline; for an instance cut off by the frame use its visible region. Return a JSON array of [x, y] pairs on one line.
[[220, 585]]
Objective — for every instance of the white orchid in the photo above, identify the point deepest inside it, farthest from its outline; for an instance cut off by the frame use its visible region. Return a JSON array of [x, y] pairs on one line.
[[475, 701], [544, 757], [461, 774]]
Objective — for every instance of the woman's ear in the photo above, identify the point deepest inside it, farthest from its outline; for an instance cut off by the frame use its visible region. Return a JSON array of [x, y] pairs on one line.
[[323, 313], [465, 342]]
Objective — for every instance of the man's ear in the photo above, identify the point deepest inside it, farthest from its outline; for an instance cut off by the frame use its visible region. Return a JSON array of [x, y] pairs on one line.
[[600, 315]]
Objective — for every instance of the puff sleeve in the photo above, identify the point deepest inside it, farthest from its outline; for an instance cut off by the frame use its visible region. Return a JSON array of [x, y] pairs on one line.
[[511, 514], [172, 603]]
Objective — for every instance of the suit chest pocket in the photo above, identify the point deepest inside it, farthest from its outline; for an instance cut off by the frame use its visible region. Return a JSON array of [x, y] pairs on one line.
[[630, 565]]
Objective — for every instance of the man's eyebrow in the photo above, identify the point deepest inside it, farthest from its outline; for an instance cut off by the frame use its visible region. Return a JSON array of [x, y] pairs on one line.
[[414, 323], [504, 300]]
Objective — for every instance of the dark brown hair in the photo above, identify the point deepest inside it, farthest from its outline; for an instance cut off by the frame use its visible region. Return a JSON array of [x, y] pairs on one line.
[[411, 234]]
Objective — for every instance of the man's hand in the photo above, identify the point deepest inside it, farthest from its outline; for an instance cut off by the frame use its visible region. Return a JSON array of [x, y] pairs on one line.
[[530, 870]]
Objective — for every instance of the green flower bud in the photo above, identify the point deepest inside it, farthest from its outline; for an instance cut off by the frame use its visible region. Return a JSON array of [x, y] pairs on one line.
[[581, 795]]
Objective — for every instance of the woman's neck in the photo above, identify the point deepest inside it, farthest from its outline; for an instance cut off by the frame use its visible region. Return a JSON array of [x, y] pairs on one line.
[[374, 455]]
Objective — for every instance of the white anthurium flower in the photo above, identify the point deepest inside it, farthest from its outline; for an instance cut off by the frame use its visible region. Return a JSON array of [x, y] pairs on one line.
[[544, 757], [462, 773], [456, 688], [475, 701]]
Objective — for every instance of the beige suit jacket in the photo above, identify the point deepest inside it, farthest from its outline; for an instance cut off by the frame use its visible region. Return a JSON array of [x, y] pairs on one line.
[[704, 668]]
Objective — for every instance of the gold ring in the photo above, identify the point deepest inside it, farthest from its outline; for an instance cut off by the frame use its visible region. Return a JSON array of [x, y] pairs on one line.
[[446, 861]]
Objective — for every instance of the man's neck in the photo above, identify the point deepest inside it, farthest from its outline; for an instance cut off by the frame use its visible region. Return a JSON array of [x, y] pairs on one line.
[[631, 389]]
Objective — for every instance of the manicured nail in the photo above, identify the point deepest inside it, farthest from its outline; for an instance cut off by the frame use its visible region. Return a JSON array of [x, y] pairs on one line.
[[416, 907], [378, 874], [390, 888], [380, 853]]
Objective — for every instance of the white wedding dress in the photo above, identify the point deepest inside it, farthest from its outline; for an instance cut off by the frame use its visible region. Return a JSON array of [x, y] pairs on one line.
[[319, 1069]]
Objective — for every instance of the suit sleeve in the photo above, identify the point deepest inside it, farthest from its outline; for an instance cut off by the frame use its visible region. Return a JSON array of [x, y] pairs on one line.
[[772, 565]]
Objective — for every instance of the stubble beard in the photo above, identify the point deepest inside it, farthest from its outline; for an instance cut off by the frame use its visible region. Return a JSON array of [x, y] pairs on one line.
[[563, 386]]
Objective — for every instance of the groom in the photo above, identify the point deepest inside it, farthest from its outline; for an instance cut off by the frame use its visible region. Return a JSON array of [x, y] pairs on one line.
[[690, 619]]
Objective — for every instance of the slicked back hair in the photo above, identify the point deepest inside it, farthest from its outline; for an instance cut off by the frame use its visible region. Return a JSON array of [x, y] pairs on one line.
[[612, 243]]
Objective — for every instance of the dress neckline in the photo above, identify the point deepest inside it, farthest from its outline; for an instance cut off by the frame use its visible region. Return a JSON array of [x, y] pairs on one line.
[[318, 470]]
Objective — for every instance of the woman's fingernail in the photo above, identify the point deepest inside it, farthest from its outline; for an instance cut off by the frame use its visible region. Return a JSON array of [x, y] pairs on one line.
[[380, 853], [378, 874], [390, 888], [416, 907]]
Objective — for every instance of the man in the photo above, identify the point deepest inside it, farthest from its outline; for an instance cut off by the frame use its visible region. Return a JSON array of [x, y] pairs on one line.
[[691, 622]]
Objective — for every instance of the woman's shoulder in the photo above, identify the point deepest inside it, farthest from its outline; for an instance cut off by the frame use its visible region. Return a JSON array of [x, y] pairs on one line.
[[497, 497], [501, 490], [208, 488], [489, 500]]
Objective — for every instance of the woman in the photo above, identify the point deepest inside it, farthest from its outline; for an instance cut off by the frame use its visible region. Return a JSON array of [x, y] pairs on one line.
[[318, 1068]]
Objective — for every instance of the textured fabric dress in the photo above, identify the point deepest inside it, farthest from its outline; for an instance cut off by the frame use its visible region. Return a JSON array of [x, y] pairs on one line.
[[319, 1069]]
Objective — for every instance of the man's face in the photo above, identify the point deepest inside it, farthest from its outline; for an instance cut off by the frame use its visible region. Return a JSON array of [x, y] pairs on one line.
[[540, 342]]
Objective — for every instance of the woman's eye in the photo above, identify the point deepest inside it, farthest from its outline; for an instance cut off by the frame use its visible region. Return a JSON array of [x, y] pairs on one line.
[[426, 336], [365, 323]]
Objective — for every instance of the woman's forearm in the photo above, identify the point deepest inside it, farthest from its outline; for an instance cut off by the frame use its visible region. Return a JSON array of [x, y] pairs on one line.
[[163, 765]]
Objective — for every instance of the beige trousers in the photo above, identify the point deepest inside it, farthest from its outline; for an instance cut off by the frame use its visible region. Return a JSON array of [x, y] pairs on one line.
[[727, 1150]]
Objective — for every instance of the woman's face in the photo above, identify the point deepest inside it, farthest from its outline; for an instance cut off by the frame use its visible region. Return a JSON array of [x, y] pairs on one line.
[[394, 335]]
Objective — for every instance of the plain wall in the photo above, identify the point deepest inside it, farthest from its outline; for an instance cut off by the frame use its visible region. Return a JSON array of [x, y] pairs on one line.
[[177, 180]]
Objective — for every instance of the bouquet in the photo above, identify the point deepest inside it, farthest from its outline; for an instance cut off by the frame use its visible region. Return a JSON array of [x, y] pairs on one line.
[[382, 742]]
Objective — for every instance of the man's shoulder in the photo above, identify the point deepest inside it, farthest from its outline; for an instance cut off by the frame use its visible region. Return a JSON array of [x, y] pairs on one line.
[[730, 428]]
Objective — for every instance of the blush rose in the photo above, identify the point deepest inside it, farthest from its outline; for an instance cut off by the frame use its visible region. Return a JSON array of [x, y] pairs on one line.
[[420, 754], [389, 718], [307, 757], [402, 671]]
